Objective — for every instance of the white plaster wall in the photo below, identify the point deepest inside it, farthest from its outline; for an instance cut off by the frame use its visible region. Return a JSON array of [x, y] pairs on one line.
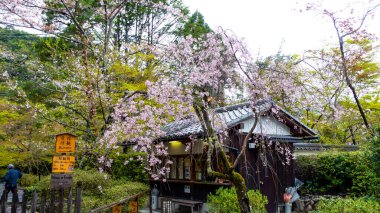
[[267, 125]]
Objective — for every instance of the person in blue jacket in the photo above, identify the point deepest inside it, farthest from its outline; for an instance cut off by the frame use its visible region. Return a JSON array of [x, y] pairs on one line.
[[10, 179]]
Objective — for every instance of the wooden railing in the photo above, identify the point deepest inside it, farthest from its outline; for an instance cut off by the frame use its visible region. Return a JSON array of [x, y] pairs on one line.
[[34, 203], [57, 202], [120, 202]]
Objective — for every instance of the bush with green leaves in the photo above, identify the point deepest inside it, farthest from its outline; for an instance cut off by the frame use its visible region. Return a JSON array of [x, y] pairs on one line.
[[339, 172], [347, 205], [225, 201], [98, 188], [133, 170], [28, 180], [374, 146]]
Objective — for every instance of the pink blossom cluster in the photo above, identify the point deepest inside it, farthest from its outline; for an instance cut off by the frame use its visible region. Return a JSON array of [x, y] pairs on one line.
[[138, 120]]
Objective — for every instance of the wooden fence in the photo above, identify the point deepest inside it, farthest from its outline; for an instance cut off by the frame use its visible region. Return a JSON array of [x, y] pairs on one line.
[[58, 201], [61, 201]]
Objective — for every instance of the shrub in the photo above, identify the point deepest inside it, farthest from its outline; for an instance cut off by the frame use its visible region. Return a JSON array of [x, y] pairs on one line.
[[98, 188], [343, 172], [257, 201], [132, 171], [28, 180], [225, 200], [348, 205]]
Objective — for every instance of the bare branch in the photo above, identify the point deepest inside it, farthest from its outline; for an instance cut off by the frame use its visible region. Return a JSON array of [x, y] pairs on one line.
[[362, 21], [246, 139]]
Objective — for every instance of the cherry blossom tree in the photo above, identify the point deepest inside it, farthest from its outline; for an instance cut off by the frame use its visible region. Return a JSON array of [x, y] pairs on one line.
[[192, 69], [85, 55], [350, 31], [189, 75]]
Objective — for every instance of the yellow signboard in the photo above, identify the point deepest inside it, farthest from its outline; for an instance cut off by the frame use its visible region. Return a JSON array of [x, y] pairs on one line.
[[133, 207], [63, 164], [116, 209], [65, 143]]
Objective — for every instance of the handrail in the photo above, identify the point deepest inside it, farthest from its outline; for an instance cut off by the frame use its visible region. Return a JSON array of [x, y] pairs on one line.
[[122, 201]]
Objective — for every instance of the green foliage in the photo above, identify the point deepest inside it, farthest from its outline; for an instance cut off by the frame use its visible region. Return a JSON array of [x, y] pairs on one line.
[[132, 171], [28, 180], [98, 188], [132, 77], [225, 200], [374, 146], [257, 201], [195, 26], [347, 205], [339, 172], [116, 191]]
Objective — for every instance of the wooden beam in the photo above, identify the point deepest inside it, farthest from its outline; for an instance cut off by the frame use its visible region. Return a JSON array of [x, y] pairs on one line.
[[122, 201]]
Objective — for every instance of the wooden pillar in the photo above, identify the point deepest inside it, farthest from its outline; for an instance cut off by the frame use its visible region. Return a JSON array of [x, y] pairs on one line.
[[24, 202], [69, 200], [14, 202], [34, 202], [150, 200], [78, 198], [43, 201], [60, 200], [52, 201], [4, 198]]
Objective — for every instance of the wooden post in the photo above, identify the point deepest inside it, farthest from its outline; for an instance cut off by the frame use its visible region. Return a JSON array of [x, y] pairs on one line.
[[78, 198], [52, 201], [14, 202], [34, 202], [60, 201], [43, 201], [4, 198], [150, 201], [69, 200], [24, 202]]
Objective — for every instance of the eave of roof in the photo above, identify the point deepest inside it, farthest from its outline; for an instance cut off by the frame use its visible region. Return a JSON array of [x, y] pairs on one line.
[[232, 115], [310, 131], [323, 147]]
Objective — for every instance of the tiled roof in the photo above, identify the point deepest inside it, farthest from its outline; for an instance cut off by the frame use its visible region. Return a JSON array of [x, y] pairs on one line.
[[183, 128], [323, 147], [231, 115]]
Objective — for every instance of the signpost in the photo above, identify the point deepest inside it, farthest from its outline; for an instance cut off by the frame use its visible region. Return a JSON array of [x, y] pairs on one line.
[[63, 162], [116, 209], [60, 181], [133, 207], [65, 143]]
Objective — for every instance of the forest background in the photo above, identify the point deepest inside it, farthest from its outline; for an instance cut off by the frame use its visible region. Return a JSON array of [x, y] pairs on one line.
[[92, 55]]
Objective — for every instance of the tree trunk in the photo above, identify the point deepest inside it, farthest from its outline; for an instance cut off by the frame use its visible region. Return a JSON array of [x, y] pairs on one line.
[[349, 83], [241, 192]]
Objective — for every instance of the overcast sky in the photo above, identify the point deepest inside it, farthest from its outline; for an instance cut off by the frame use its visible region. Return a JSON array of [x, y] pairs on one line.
[[266, 24]]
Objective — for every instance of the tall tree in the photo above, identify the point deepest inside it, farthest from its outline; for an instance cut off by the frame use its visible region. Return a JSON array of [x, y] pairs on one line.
[[349, 29], [80, 65], [191, 67], [195, 26]]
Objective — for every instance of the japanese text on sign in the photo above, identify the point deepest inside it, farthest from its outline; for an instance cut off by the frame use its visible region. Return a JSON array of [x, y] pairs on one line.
[[116, 209], [65, 143], [133, 207], [63, 164]]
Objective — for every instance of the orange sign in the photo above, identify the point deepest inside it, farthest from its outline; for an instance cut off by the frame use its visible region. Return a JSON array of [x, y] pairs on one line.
[[65, 143], [116, 209], [133, 207], [63, 164]]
